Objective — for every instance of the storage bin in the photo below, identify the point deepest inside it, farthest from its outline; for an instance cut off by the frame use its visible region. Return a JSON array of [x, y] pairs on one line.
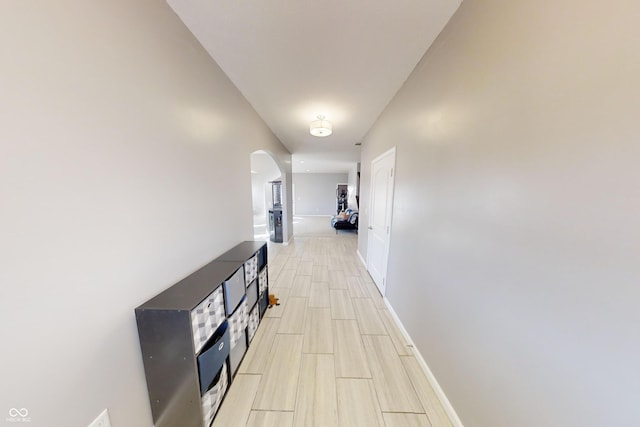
[[252, 294], [262, 257], [213, 356], [251, 269], [254, 321], [212, 398], [263, 302], [238, 323], [234, 290], [237, 353], [206, 318], [263, 280]]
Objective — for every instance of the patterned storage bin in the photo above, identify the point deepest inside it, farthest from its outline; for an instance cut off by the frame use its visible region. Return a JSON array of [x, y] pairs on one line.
[[206, 318], [250, 270], [263, 280], [254, 321], [238, 323], [211, 399]]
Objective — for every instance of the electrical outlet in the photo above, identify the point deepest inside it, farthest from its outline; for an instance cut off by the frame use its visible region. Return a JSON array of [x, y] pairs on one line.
[[102, 420]]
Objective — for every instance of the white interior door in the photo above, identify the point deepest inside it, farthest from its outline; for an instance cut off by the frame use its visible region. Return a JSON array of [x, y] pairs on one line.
[[380, 209]]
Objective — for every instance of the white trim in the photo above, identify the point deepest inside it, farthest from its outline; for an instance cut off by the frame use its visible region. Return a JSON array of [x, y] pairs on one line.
[[361, 259], [448, 408], [389, 151]]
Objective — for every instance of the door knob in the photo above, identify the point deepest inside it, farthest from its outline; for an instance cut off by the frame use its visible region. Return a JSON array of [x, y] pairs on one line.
[[370, 227]]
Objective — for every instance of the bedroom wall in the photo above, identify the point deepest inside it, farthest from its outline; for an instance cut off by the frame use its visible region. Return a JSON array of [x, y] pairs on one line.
[[315, 193], [516, 224], [122, 147]]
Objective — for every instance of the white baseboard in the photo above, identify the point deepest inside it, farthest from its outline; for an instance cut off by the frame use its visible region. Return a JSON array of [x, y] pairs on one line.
[[453, 416]]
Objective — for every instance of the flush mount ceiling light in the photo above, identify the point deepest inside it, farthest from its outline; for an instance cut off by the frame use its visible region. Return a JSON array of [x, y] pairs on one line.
[[320, 127]]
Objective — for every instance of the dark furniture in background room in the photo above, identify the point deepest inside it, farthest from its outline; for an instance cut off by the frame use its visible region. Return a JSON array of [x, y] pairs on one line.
[[275, 213], [348, 221]]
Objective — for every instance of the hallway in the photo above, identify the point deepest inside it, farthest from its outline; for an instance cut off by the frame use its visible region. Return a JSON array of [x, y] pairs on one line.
[[330, 354]]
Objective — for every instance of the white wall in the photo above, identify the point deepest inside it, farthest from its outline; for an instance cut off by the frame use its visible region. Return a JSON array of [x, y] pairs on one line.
[[121, 143], [263, 170], [516, 227], [352, 180], [315, 193]]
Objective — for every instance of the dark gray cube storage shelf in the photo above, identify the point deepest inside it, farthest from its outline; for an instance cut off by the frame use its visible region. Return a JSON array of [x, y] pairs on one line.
[[186, 336]]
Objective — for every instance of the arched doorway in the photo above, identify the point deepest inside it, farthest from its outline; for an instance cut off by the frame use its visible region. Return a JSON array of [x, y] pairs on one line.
[[264, 170]]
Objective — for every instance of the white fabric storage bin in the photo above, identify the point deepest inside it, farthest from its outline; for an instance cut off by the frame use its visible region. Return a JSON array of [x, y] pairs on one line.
[[254, 322], [206, 318], [251, 269], [263, 280], [238, 323], [212, 398]]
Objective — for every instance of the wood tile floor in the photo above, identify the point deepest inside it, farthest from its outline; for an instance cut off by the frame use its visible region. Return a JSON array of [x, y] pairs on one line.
[[331, 353]]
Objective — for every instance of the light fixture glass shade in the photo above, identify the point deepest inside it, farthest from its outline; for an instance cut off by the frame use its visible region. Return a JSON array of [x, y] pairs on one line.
[[320, 127]]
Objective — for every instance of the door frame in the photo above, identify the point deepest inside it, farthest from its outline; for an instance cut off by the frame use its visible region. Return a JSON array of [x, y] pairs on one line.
[[390, 201]]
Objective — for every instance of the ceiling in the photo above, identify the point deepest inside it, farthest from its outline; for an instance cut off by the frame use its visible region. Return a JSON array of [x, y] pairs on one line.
[[296, 59]]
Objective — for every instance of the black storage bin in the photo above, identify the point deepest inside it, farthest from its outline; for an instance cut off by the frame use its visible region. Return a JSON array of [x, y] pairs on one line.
[[262, 257], [212, 357], [263, 302]]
